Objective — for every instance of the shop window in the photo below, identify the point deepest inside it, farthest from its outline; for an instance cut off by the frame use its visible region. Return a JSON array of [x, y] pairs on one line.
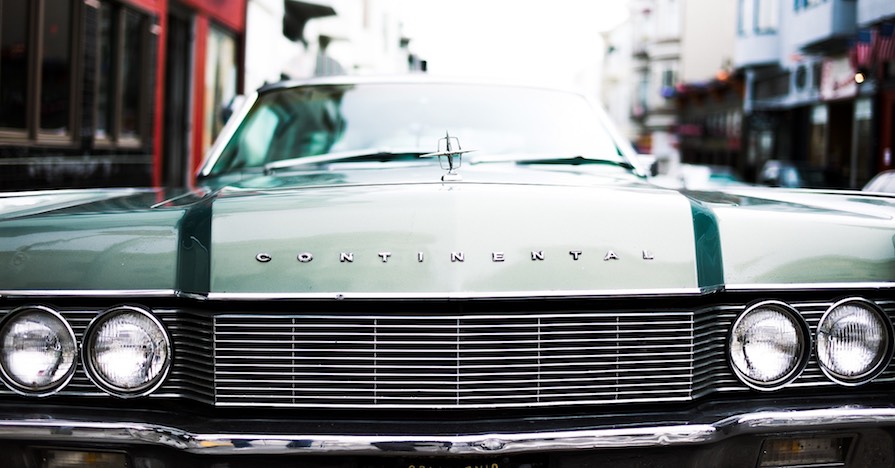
[[56, 69], [220, 81], [817, 150], [13, 65], [864, 166], [122, 76], [36, 70], [42, 57]]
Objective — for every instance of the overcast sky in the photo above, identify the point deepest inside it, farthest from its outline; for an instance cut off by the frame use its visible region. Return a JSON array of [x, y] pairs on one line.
[[554, 42]]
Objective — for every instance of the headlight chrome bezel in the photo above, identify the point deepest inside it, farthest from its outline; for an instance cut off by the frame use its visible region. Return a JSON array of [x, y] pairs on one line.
[[804, 351], [884, 358], [60, 383], [97, 378]]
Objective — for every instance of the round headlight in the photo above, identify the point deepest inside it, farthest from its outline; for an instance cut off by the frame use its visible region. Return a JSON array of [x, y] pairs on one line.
[[39, 351], [768, 346], [853, 342], [126, 351]]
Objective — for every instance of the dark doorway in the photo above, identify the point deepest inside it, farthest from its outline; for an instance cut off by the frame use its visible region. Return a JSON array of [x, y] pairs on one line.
[[175, 160], [887, 130], [839, 145]]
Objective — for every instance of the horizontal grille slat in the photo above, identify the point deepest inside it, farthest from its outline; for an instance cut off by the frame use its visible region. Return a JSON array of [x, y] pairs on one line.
[[452, 361]]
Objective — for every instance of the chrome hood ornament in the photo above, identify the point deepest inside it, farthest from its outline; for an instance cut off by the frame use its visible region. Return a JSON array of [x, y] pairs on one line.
[[449, 156]]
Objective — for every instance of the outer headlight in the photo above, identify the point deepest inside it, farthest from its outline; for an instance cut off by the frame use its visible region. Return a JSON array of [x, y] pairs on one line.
[[768, 345], [38, 352], [126, 351], [853, 342]]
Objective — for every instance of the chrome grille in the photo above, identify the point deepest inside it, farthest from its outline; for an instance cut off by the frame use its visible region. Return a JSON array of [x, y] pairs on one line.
[[456, 361], [452, 357]]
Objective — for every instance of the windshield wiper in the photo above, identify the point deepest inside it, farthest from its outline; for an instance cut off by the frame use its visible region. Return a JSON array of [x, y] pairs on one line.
[[550, 158], [368, 154]]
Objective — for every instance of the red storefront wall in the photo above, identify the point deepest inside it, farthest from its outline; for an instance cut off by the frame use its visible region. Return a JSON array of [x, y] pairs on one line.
[[228, 13]]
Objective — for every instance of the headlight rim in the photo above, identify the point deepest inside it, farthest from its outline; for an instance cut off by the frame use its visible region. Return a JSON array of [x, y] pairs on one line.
[[95, 377], [46, 391], [880, 366], [806, 346]]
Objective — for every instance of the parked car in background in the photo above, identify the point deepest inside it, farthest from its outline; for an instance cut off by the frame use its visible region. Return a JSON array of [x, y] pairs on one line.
[[884, 182], [788, 174], [414, 272], [700, 177]]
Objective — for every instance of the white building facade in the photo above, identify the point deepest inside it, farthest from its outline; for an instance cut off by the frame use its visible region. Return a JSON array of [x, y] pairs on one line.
[[323, 37]]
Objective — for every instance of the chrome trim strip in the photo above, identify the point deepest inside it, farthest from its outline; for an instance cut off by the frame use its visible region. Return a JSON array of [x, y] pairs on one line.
[[214, 296], [28, 293], [499, 443], [595, 293], [808, 286], [214, 153]]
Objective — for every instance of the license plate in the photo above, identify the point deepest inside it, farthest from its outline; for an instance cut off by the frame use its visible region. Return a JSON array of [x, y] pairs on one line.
[[527, 461], [448, 463]]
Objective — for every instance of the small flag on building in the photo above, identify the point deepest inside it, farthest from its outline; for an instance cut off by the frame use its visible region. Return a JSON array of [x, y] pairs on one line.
[[864, 47], [885, 43]]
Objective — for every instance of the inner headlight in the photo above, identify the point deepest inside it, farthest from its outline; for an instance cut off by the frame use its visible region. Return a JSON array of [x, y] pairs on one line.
[[127, 351], [38, 351], [768, 345], [853, 342]]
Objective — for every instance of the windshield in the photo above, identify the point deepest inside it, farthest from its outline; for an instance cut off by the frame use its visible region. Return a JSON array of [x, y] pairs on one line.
[[410, 118]]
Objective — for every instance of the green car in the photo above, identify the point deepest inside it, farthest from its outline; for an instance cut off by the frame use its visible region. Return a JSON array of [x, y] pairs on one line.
[[420, 272]]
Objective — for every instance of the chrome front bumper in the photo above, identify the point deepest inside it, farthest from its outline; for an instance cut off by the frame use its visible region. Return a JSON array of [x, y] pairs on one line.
[[776, 422]]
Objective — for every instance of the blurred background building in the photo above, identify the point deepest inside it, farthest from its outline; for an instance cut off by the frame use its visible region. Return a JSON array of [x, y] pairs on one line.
[[666, 60], [133, 92], [806, 83]]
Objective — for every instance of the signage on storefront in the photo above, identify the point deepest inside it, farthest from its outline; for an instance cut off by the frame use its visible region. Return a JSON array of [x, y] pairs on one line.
[[837, 79], [230, 13]]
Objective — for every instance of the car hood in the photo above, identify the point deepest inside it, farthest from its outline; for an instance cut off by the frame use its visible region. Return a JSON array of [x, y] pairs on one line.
[[480, 237]]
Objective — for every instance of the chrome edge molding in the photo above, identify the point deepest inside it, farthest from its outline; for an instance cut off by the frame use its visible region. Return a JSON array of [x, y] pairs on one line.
[[757, 287], [249, 296], [255, 444], [41, 293], [254, 296], [214, 153]]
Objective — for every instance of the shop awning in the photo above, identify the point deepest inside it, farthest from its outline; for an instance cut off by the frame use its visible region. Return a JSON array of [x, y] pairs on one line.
[[297, 15]]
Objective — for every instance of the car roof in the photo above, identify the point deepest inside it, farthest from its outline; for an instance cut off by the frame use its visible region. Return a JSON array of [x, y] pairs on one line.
[[405, 78]]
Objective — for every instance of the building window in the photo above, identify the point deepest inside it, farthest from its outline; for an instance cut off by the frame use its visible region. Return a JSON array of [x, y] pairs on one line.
[[13, 64], [36, 70], [123, 71], [817, 149], [744, 25], [56, 69], [669, 19], [668, 79], [758, 16], [43, 55], [767, 18], [220, 81], [805, 4]]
